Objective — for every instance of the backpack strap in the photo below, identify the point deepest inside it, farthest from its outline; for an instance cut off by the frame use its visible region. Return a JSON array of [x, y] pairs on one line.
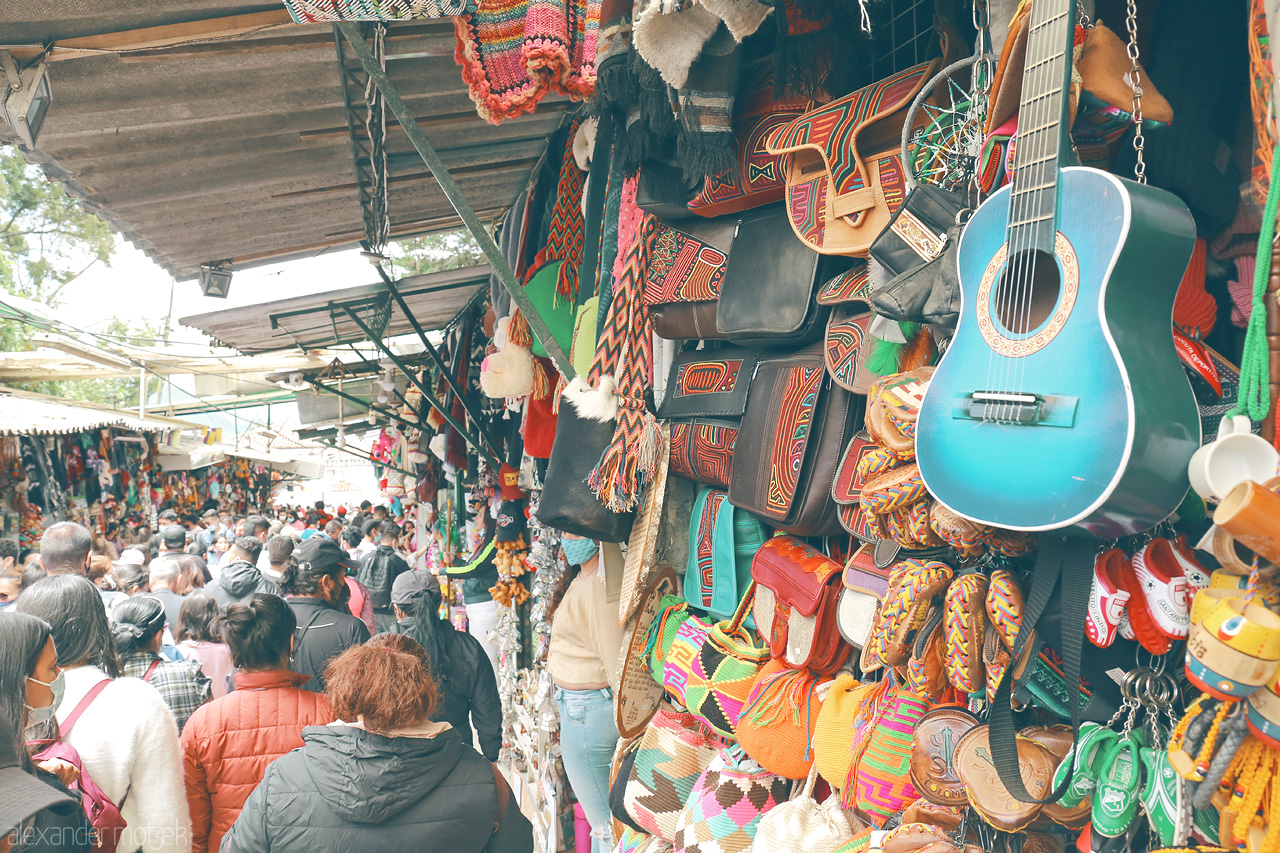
[[504, 796], [65, 728], [1069, 562], [151, 670]]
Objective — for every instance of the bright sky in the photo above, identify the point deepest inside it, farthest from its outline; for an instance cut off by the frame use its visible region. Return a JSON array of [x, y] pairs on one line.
[[134, 286]]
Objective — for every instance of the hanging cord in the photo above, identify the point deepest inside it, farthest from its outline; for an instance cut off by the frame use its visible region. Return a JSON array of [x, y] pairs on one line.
[[1255, 389]]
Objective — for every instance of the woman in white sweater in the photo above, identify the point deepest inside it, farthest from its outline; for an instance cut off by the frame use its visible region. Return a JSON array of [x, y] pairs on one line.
[[127, 739]]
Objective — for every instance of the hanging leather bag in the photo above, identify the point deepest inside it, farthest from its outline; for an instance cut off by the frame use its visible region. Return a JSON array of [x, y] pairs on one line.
[[722, 542], [705, 400], [770, 285], [757, 179], [683, 274], [797, 590], [843, 163], [796, 425], [567, 503]]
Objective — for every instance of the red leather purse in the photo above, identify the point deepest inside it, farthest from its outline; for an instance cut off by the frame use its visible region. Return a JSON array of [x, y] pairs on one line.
[[797, 597]]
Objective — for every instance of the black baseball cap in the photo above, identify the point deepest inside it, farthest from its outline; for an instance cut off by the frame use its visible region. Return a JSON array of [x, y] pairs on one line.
[[174, 536], [323, 554]]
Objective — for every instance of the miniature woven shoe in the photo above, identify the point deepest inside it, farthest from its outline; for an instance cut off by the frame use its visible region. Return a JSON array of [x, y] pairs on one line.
[[1107, 599], [1164, 588], [1115, 800], [1095, 743], [1164, 798]]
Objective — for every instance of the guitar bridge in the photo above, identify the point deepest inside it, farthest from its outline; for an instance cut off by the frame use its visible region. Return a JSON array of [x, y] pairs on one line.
[[1018, 408]]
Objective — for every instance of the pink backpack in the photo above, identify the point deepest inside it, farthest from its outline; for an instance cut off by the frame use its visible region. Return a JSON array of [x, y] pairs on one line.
[[103, 814]]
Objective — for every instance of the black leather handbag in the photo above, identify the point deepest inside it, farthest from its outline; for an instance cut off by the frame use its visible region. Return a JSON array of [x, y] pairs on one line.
[[709, 383], [917, 252], [567, 503], [770, 284]]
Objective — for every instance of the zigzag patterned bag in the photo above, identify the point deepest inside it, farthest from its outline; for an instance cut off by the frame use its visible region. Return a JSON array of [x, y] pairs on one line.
[[843, 163], [674, 752], [710, 668], [726, 805]]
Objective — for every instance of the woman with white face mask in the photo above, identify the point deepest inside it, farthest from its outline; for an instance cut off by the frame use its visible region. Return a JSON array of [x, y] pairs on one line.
[[125, 734], [582, 659], [31, 689]]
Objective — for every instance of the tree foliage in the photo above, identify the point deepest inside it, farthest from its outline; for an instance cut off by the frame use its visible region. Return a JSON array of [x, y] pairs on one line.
[[47, 239], [447, 250]]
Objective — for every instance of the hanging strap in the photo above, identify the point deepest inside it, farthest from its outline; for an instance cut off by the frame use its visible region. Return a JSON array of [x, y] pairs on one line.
[[151, 670], [597, 192], [1071, 560], [64, 728]]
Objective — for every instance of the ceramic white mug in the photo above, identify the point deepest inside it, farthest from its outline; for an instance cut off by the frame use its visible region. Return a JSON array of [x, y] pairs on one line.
[[1235, 456]]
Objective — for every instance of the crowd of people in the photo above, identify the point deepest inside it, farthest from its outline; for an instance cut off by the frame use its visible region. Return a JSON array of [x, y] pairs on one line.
[[244, 684]]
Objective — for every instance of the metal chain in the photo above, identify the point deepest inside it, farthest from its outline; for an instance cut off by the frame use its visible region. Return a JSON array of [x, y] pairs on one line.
[[1135, 80], [378, 232]]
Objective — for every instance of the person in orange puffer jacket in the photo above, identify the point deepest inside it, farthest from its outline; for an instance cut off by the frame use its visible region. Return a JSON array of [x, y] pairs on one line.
[[228, 743]]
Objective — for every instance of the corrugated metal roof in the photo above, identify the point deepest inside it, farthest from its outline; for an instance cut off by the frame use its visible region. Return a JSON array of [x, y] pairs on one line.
[[238, 149], [319, 320], [30, 414]]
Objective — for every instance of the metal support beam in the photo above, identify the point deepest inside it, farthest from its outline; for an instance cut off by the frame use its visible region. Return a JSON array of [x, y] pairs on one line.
[[351, 398], [435, 356], [460, 204], [413, 377], [350, 452]]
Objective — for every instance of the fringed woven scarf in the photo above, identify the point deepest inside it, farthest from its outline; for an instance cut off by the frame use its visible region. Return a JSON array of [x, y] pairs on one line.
[[513, 52], [626, 348], [566, 234]]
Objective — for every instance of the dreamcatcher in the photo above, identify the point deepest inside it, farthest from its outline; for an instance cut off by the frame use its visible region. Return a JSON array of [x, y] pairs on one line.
[[945, 148]]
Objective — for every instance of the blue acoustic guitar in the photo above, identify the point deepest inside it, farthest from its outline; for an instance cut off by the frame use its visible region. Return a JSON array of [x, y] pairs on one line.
[[1061, 401]]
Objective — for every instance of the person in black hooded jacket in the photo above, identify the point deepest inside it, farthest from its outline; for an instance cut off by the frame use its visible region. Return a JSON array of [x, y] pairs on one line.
[[468, 684], [389, 779]]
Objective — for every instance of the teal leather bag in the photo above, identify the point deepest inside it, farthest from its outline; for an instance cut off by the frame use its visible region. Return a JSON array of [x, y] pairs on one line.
[[722, 541]]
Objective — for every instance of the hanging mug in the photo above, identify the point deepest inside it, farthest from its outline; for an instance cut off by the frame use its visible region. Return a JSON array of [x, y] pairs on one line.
[[1235, 456]]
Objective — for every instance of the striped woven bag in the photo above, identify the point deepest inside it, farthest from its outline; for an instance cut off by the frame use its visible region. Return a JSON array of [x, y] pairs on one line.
[[881, 783]]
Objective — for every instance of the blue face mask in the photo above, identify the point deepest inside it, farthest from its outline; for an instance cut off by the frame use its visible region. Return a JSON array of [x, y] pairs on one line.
[[578, 551]]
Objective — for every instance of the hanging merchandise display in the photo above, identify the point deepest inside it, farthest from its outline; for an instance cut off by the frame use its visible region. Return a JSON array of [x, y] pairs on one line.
[[927, 460]]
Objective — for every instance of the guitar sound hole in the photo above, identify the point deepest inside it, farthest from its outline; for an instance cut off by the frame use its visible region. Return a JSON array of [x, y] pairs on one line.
[[1028, 291]]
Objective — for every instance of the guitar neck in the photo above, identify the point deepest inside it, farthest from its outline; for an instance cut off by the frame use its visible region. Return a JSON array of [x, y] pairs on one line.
[[1043, 142]]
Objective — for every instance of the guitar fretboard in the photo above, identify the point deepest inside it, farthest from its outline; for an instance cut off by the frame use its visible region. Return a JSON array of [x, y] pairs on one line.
[[1042, 130]]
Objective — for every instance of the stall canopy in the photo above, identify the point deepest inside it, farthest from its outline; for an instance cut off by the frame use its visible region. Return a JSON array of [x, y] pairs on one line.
[[24, 413], [190, 455], [221, 131], [321, 320]]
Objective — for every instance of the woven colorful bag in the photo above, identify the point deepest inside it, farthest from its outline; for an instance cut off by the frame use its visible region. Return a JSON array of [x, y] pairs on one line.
[[675, 751], [843, 711], [674, 612], [880, 782], [776, 728], [710, 668], [726, 805]]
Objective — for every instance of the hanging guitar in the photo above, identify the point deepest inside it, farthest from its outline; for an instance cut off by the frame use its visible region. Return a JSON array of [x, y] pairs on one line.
[[1061, 400]]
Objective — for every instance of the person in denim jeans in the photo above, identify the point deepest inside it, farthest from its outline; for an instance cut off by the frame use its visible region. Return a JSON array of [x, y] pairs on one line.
[[582, 660]]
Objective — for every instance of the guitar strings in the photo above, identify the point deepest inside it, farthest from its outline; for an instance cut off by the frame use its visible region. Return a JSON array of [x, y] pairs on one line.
[[1013, 285], [1054, 106], [1034, 178], [1043, 110]]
